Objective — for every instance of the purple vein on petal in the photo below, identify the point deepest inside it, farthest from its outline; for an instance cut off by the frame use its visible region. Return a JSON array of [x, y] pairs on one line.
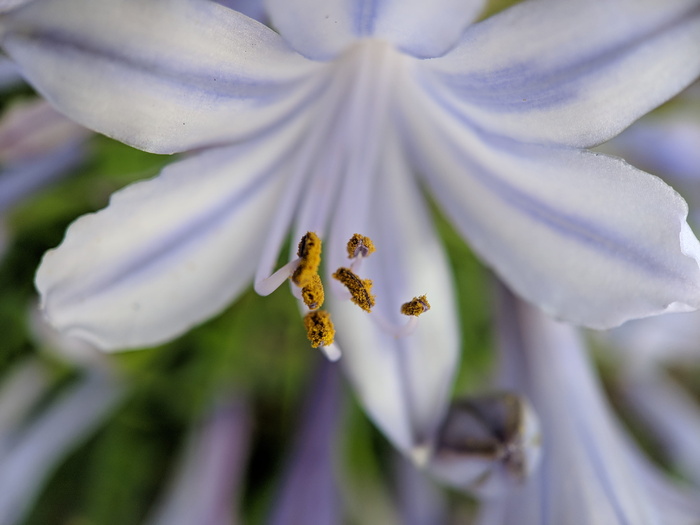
[[524, 86], [178, 240]]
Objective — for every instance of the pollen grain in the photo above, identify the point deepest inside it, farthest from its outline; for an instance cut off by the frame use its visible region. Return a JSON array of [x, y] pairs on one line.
[[312, 294], [319, 328], [360, 289], [359, 245], [309, 253], [416, 306]]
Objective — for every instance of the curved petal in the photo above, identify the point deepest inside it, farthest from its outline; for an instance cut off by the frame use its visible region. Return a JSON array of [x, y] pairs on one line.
[[404, 384], [573, 72], [162, 75], [591, 472], [586, 236], [321, 29], [166, 253]]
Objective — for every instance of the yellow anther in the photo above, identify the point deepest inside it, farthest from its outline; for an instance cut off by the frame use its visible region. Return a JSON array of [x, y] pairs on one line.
[[417, 306], [360, 245], [360, 289], [310, 254], [312, 294], [319, 328]]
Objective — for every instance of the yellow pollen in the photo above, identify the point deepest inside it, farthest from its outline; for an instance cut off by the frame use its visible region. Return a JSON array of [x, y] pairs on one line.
[[319, 328], [312, 294], [360, 245], [417, 306], [360, 289], [310, 254]]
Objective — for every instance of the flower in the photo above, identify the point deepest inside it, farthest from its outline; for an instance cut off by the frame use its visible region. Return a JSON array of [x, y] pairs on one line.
[[332, 125], [591, 470]]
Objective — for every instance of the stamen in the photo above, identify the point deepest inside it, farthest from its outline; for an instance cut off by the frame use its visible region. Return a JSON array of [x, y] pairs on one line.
[[416, 307], [270, 284], [310, 258], [319, 328], [360, 246], [312, 294], [360, 289]]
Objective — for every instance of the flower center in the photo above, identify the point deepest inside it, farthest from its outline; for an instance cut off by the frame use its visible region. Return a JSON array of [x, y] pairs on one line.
[[303, 273]]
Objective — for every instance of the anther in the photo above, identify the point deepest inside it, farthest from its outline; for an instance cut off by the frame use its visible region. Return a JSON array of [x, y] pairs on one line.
[[319, 328], [360, 289], [360, 246], [416, 306], [309, 253], [312, 294]]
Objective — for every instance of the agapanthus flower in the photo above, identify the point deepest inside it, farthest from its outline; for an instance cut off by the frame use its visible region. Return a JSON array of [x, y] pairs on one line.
[[591, 470], [334, 122]]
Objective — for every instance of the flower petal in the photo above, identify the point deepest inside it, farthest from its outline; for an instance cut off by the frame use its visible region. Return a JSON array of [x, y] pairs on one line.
[[309, 491], [586, 236], [50, 437], [403, 383], [321, 29], [166, 253], [591, 472], [162, 75], [571, 72], [210, 470], [670, 414]]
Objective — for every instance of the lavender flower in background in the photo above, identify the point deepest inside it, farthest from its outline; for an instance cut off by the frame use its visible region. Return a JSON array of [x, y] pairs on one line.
[[33, 444], [591, 471], [208, 481], [38, 146], [310, 487]]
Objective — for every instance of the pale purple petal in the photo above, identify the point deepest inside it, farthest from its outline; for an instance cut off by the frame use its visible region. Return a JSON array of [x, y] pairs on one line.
[[573, 72], [37, 147], [55, 432], [162, 75], [647, 343], [587, 237], [169, 252], [671, 416], [21, 387], [591, 473], [9, 74], [420, 500], [321, 29], [207, 483], [309, 491], [403, 383], [32, 129]]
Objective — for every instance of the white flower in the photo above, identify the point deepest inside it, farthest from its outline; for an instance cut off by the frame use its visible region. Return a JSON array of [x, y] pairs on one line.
[[333, 124]]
